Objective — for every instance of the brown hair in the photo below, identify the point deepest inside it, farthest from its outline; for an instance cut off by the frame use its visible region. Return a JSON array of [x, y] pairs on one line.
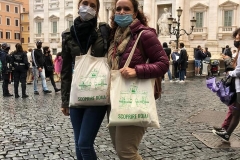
[[140, 16], [98, 6], [19, 47]]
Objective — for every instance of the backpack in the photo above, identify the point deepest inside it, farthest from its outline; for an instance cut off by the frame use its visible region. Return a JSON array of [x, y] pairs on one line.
[[105, 32]]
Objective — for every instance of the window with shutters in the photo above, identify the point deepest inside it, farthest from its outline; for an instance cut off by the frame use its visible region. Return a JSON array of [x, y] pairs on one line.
[[228, 16], [199, 18], [54, 27], [16, 9], [39, 27], [8, 35], [70, 23], [16, 22], [1, 34], [7, 8], [8, 21], [17, 36]]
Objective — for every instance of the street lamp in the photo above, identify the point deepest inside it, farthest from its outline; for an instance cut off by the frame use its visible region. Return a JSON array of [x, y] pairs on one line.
[[174, 26]]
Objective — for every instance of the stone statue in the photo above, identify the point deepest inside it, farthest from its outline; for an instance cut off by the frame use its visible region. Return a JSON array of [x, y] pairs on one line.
[[163, 23]]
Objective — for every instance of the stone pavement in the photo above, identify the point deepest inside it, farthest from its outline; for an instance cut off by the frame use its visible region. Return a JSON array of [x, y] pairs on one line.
[[34, 128]]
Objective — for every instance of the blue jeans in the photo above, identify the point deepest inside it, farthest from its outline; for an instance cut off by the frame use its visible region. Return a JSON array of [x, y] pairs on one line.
[[182, 74], [36, 74], [169, 75], [86, 123]]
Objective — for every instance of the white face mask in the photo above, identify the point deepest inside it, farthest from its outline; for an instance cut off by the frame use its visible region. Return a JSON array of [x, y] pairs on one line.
[[86, 13]]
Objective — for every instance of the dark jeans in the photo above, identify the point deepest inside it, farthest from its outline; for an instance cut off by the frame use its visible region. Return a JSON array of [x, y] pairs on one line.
[[20, 75], [86, 123], [6, 80], [182, 74], [176, 71]]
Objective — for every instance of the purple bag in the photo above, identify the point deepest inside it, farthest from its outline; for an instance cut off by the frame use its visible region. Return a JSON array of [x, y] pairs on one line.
[[211, 84], [223, 92]]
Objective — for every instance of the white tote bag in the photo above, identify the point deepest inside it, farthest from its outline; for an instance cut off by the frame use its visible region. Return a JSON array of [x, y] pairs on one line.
[[90, 81], [132, 100]]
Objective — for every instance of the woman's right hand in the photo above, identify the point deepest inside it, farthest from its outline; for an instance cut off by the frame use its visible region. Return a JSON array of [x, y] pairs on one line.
[[65, 111]]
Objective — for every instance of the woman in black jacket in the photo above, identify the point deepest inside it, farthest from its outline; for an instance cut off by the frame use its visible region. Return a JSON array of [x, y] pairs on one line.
[[49, 67], [168, 52]]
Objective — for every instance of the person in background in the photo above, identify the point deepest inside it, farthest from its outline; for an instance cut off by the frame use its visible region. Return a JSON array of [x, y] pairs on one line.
[[38, 68], [182, 63], [127, 22], [168, 52], [58, 66], [207, 53], [21, 65], [234, 120], [175, 56], [29, 71], [6, 68], [199, 55], [49, 67]]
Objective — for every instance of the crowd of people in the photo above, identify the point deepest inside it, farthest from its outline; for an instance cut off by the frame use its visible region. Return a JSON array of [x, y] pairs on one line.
[[179, 62], [25, 67]]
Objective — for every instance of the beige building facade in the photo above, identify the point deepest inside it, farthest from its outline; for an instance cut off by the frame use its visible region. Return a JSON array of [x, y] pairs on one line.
[[216, 20], [24, 25], [10, 22]]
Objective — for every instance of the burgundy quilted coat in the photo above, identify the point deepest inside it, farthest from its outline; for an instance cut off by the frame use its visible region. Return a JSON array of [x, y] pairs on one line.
[[158, 61]]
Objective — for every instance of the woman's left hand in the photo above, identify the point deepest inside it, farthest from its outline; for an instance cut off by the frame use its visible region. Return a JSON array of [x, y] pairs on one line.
[[128, 72]]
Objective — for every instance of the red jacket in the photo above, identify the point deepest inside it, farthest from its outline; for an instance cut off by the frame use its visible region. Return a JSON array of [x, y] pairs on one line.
[[158, 61]]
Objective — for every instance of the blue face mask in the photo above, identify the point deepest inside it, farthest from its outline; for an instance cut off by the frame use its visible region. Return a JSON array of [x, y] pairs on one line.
[[123, 20]]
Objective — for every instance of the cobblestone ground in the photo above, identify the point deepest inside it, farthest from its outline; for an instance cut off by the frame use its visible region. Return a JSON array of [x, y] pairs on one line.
[[34, 128]]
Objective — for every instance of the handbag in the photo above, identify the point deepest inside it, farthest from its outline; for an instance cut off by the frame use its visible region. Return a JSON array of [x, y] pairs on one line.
[[132, 100], [225, 89], [90, 81]]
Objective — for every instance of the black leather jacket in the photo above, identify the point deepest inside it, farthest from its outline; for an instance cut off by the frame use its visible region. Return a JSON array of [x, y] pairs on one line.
[[70, 50]]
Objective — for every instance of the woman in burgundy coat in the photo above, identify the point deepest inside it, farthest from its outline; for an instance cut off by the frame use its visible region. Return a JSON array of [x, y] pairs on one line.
[[127, 22]]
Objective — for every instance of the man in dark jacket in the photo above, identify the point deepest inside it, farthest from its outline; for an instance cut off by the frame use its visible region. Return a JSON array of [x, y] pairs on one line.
[[6, 68], [199, 56], [182, 62], [227, 51], [38, 69]]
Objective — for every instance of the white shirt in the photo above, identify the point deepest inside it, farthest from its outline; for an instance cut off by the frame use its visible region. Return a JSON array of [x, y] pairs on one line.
[[29, 56]]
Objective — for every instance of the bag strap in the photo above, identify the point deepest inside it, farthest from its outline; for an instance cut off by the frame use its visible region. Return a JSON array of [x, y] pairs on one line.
[[105, 34], [132, 51]]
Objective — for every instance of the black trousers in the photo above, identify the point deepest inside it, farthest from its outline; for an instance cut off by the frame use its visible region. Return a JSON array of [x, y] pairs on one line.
[[20, 75], [6, 80]]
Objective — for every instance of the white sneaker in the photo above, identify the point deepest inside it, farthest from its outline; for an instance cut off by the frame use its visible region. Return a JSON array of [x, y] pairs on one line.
[[177, 81], [181, 81], [185, 77], [170, 81], [163, 81]]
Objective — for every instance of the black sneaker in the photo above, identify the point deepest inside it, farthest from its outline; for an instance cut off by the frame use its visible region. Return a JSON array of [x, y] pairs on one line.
[[219, 129], [17, 96], [224, 135], [7, 95], [47, 91], [25, 96], [36, 92], [57, 90]]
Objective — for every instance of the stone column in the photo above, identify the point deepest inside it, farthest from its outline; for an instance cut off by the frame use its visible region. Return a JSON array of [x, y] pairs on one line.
[[46, 27], [75, 8], [31, 22], [212, 42], [147, 9]]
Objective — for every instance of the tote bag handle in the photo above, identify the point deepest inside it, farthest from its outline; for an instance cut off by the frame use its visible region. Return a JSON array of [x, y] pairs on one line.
[[132, 51]]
